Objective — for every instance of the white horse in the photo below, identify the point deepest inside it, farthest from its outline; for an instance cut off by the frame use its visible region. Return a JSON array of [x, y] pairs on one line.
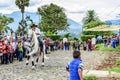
[[33, 49]]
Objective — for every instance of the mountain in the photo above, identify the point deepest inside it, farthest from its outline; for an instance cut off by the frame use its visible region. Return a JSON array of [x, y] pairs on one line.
[[17, 18], [75, 28], [113, 22]]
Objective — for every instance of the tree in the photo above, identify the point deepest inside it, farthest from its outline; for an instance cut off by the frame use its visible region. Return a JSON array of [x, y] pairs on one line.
[[21, 5], [93, 24], [27, 22], [90, 16], [4, 21], [53, 18], [91, 19], [18, 31]]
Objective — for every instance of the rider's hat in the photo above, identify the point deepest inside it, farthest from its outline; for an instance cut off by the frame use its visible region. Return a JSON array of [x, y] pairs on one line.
[[33, 25]]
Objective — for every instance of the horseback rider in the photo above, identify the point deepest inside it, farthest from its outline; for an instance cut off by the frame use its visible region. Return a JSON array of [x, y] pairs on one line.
[[38, 34]]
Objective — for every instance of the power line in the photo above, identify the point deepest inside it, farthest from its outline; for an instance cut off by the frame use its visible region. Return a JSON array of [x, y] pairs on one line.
[[108, 15]]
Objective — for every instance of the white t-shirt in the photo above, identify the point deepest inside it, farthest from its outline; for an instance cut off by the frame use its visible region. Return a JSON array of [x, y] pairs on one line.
[[93, 40], [37, 30], [14, 45]]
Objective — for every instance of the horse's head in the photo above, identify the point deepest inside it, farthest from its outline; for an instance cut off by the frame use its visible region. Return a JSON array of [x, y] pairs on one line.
[[30, 33]]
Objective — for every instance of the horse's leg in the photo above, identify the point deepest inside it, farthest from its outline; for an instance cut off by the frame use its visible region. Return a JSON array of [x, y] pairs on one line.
[[37, 59], [32, 59], [43, 51], [27, 62], [28, 49]]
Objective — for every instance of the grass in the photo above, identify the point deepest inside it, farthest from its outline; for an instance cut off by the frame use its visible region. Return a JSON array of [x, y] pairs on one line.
[[114, 70], [118, 62], [90, 77], [101, 47]]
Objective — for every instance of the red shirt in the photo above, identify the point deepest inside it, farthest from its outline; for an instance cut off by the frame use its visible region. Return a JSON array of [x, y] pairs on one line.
[[10, 48], [4, 49], [0, 47], [89, 42]]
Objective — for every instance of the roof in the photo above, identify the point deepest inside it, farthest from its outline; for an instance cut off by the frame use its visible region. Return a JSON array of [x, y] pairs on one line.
[[104, 28]]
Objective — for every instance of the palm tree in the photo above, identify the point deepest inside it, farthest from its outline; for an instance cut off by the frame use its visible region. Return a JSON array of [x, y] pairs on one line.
[[4, 21], [90, 16], [21, 5]]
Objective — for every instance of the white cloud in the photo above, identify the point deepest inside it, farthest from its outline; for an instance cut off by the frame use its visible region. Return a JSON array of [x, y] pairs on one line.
[[75, 9]]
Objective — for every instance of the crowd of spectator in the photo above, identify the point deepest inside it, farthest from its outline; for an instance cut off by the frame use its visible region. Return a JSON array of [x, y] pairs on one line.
[[12, 47]]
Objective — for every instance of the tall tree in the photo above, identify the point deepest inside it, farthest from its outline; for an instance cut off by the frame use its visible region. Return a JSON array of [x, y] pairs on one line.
[[27, 22], [91, 19], [21, 5], [53, 18], [4, 21], [90, 16]]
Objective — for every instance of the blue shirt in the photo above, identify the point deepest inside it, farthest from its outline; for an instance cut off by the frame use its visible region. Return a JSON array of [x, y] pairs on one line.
[[73, 67]]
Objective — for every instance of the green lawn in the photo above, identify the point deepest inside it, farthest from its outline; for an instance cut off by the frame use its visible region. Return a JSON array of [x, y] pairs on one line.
[[114, 69], [101, 47], [90, 77]]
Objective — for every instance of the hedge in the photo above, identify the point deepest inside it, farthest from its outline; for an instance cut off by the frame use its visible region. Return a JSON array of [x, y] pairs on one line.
[[97, 33], [86, 37], [54, 37]]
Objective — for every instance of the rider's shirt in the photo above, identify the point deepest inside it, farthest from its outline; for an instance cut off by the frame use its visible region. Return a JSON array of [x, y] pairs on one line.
[[37, 30]]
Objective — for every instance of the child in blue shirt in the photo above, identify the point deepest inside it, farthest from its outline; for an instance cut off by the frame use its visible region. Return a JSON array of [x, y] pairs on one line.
[[75, 67]]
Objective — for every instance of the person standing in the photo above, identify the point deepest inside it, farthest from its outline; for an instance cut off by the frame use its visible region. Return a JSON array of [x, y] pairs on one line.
[[75, 67], [5, 53], [84, 46], [1, 54], [11, 52], [89, 45], [93, 43], [20, 51]]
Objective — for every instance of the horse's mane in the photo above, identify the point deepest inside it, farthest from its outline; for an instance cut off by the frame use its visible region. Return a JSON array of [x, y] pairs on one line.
[[35, 41]]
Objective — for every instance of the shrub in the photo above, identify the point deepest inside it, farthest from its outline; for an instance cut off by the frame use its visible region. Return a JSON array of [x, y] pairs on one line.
[[93, 24], [86, 37], [96, 33], [54, 37], [90, 77], [76, 39]]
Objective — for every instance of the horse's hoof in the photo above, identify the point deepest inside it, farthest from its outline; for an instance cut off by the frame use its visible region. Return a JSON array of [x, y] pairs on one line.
[[43, 64], [27, 63], [35, 64], [46, 57], [33, 67]]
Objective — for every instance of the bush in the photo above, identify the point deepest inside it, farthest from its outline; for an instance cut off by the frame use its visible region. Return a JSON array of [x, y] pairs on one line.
[[86, 37], [76, 39], [93, 24], [54, 37], [97, 33], [90, 77]]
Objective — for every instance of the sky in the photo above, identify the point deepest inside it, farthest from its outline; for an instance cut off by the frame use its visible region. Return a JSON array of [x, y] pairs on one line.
[[74, 9]]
